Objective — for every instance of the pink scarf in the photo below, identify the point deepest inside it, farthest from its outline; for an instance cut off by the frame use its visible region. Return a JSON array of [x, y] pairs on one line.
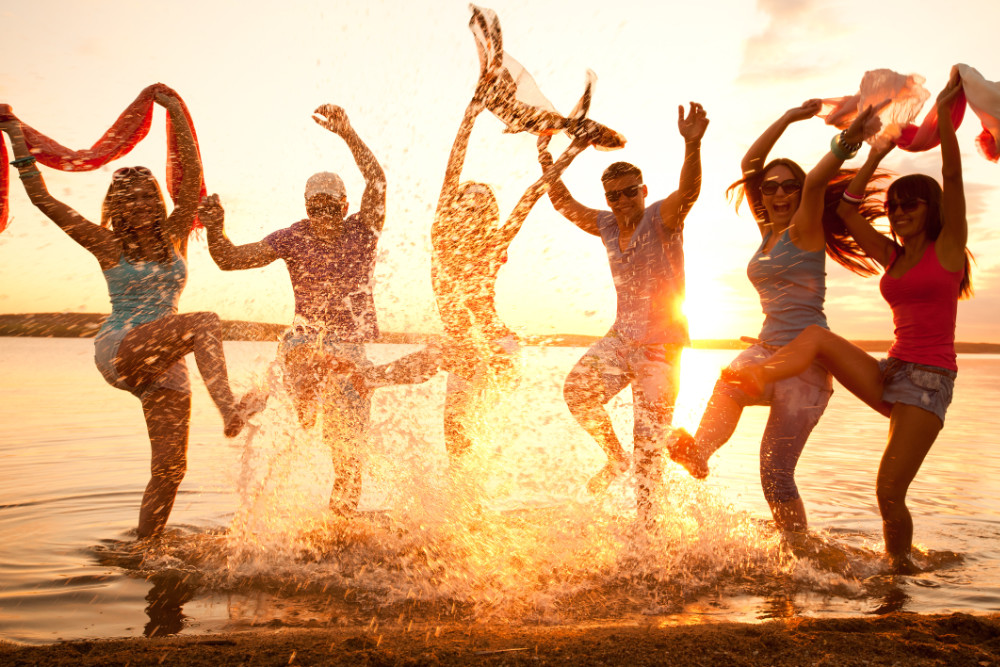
[[982, 96], [131, 127]]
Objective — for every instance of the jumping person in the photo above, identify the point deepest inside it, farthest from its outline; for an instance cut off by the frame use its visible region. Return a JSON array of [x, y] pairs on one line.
[[926, 273], [331, 262], [140, 347], [797, 219], [643, 347], [469, 248]]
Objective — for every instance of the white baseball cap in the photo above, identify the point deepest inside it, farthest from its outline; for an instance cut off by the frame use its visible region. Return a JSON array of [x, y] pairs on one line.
[[325, 182]]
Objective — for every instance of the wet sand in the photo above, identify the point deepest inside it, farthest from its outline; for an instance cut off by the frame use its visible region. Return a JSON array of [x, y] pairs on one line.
[[894, 639]]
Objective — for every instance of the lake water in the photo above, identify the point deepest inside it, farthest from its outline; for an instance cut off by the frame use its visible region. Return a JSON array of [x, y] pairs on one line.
[[515, 540]]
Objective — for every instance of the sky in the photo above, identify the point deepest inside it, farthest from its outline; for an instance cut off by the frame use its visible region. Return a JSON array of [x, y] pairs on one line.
[[251, 74]]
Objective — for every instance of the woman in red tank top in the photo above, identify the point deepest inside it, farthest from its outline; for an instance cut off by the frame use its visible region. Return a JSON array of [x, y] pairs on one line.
[[926, 272]]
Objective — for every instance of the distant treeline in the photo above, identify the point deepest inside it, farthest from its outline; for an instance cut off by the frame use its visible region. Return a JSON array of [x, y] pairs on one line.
[[85, 325]]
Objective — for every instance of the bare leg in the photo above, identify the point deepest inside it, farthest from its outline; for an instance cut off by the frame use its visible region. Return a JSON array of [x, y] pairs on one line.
[[853, 367], [584, 394], [168, 414], [458, 398], [345, 431], [789, 515], [150, 349], [304, 381], [912, 431], [718, 423]]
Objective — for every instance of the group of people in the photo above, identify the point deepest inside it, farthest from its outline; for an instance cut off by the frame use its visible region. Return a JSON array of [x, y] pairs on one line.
[[330, 256]]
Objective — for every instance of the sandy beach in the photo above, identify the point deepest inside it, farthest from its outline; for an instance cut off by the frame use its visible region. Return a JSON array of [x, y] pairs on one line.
[[894, 639]]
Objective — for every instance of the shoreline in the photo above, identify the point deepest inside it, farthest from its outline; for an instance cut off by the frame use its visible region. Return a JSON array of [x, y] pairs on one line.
[[85, 325], [893, 639]]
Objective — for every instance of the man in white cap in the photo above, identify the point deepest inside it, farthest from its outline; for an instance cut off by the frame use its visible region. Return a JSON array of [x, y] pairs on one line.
[[331, 262]]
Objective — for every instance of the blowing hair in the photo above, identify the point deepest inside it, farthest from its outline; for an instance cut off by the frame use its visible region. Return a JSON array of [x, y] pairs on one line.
[[924, 187], [115, 215], [840, 245], [619, 169]]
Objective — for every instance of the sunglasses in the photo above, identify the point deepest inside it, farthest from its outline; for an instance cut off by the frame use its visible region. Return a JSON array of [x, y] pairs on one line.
[[789, 187], [128, 172], [630, 191], [906, 205]]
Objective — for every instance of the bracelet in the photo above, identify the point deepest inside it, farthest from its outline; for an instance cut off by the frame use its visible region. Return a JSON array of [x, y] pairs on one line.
[[25, 161], [842, 151], [24, 175], [852, 199]]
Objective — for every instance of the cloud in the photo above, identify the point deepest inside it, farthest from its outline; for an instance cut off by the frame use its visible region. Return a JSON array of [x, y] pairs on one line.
[[792, 45]]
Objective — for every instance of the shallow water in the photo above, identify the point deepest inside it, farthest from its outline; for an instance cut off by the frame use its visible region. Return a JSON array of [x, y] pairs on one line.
[[515, 540]]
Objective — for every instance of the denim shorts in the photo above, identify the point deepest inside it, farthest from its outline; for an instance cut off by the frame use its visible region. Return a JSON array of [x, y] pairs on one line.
[[927, 387]]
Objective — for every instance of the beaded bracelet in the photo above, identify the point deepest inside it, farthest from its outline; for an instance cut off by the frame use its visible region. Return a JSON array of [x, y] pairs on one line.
[[852, 199], [25, 161], [24, 175]]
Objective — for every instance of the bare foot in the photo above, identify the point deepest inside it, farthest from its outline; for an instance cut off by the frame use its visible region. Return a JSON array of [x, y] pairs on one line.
[[903, 565], [252, 402], [683, 450], [749, 378], [612, 469]]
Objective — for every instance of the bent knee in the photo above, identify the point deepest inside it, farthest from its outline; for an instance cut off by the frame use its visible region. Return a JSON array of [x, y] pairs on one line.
[[779, 485]]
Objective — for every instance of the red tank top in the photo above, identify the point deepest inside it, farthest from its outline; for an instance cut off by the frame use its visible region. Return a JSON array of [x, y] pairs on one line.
[[924, 303]]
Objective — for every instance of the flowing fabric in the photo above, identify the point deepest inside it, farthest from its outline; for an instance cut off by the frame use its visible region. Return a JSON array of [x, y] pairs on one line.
[[984, 99], [131, 127], [908, 95], [515, 98]]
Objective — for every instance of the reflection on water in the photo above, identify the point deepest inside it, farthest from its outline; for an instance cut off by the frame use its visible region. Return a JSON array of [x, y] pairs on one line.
[[513, 538]]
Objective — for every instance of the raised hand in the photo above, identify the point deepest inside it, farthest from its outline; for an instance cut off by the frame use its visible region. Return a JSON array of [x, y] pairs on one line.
[[211, 213], [544, 156], [333, 118], [6, 114], [808, 109], [693, 127], [168, 102], [945, 98], [866, 124]]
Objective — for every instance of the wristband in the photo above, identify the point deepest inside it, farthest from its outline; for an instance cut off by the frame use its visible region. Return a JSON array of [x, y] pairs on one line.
[[25, 161], [24, 175], [852, 199]]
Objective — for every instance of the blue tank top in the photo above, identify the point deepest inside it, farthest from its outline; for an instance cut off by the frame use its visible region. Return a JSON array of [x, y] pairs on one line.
[[792, 287], [649, 279], [142, 292]]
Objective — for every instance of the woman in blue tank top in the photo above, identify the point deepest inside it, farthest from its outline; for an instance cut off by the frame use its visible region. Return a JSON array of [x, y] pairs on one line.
[[799, 226], [141, 346]]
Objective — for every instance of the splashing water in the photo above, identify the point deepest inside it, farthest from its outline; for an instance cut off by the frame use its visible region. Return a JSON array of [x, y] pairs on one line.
[[507, 534]]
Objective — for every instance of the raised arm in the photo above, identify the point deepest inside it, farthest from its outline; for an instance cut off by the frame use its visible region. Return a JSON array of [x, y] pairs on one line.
[[97, 240], [582, 216], [874, 243], [675, 208], [456, 159], [227, 256], [335, 119], [180, 221], [954, 225], [505, 235], [756, 155], [807, 221]]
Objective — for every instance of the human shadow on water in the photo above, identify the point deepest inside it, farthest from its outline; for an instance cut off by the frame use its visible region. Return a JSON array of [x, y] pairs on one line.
[[167, 597]]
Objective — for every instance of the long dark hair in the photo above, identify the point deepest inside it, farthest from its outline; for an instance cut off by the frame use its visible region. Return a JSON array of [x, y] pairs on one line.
[[921, 186], [116, 216], [840, 245]]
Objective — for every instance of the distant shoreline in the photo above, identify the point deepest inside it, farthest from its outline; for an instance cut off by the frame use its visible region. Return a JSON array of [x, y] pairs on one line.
[[85, 325]]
